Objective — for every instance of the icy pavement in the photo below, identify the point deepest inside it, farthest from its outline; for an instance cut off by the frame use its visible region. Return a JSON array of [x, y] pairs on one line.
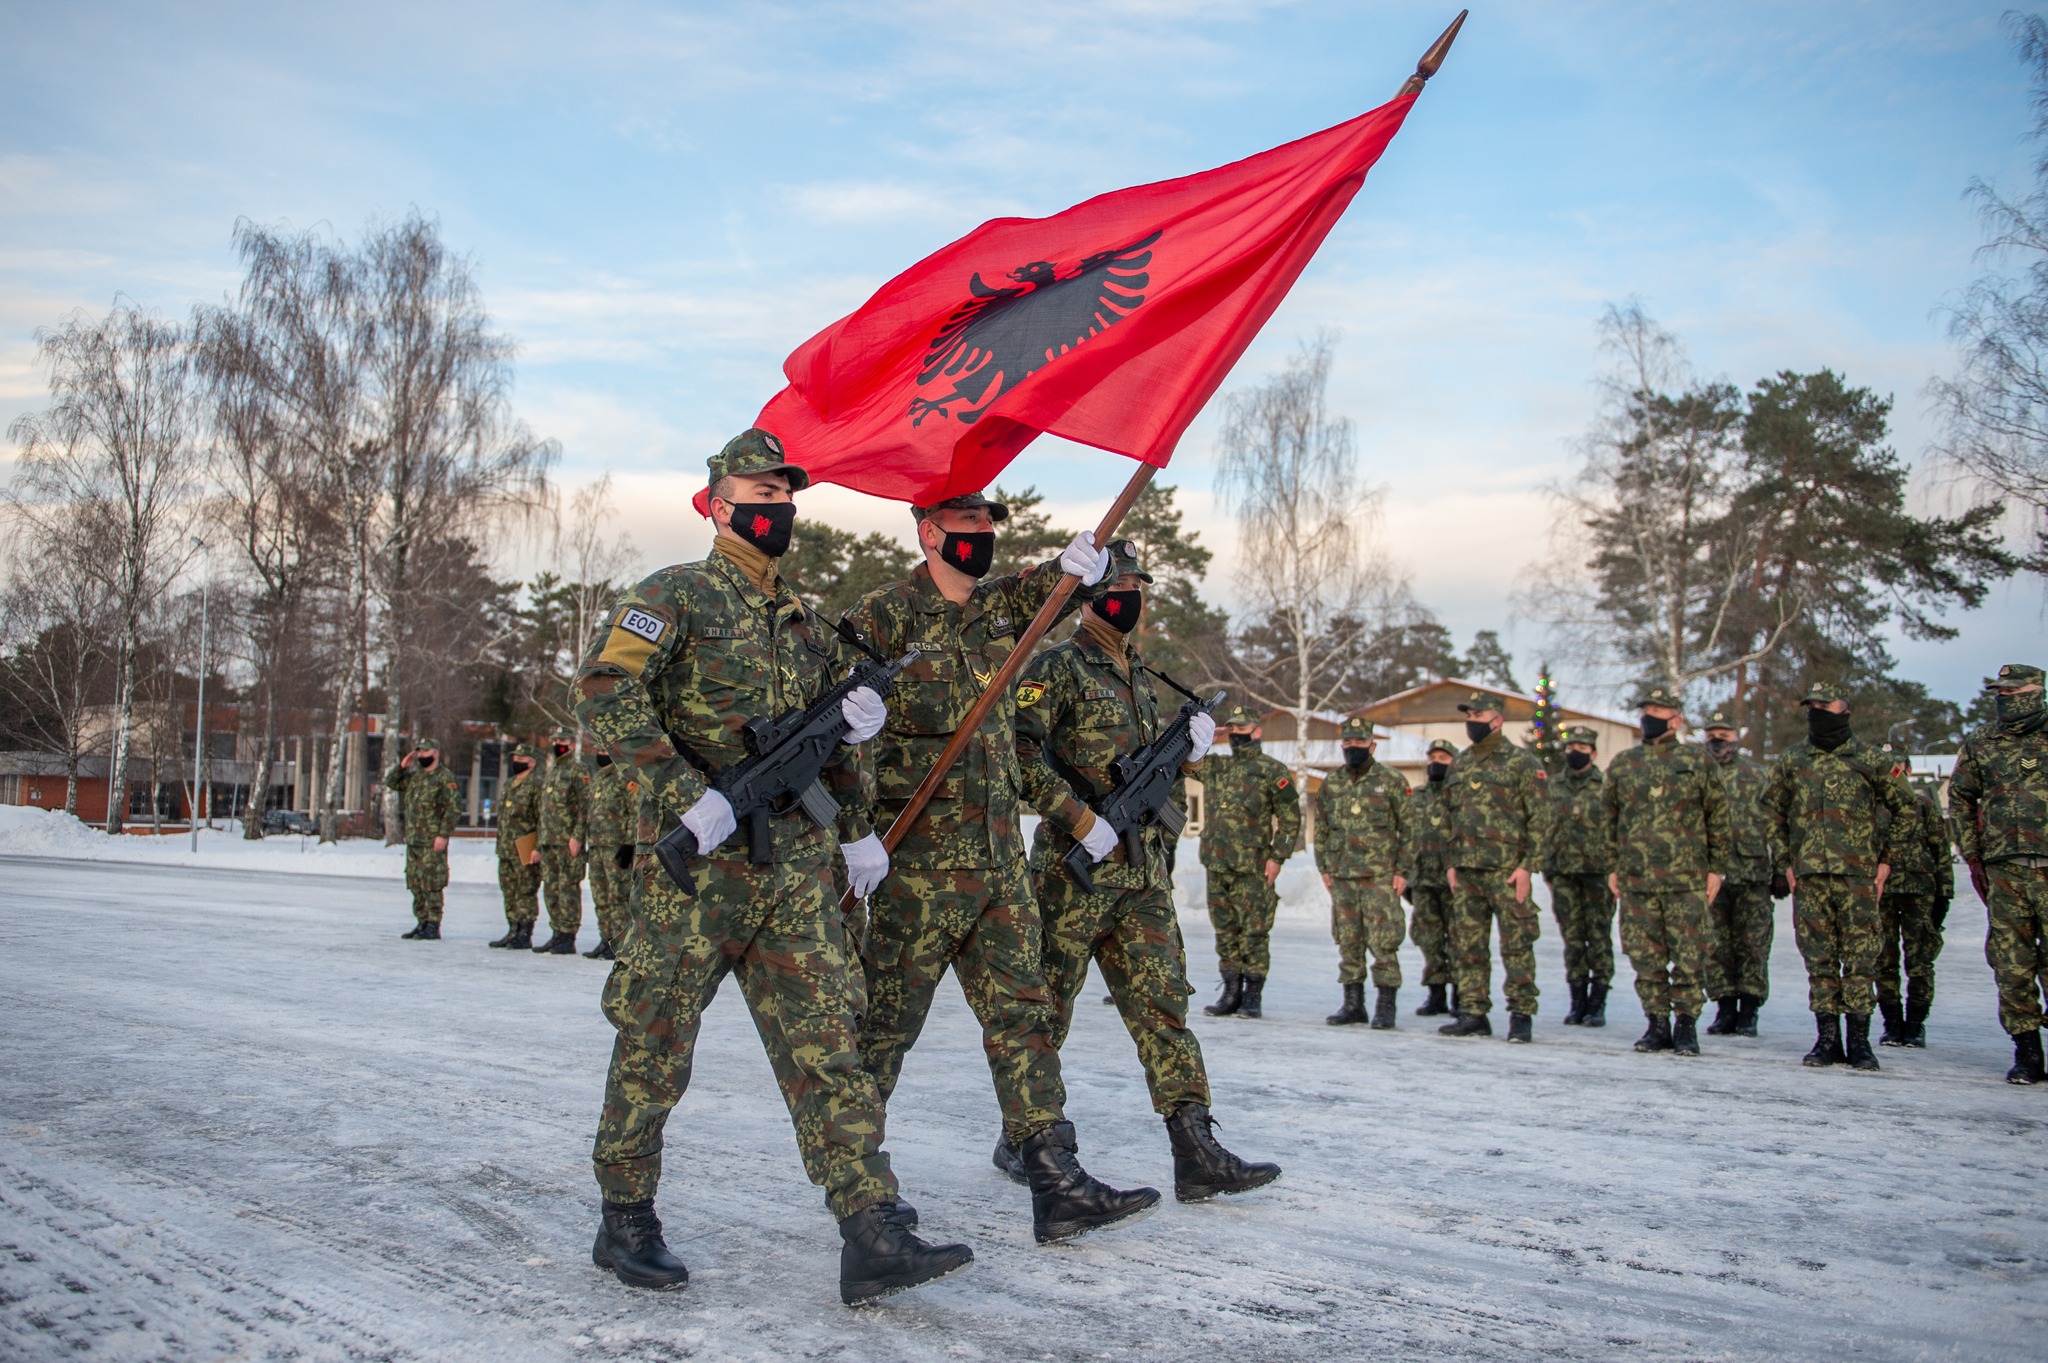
[[240, 1118]]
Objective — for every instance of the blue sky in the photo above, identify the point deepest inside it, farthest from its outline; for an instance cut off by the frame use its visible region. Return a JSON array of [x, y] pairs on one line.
[[662, 201]]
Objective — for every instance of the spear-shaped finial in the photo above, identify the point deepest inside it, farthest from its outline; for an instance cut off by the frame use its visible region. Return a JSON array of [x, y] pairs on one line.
[[1433, 58]]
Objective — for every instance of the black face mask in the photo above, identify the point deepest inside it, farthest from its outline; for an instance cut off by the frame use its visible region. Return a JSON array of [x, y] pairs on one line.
[[765, 525], [427, 761], [522, 765], [561, 750], [1437, 770], [1243, 743], [1721, 748], [604, 759], [1825, 729], [1475, 731], [1655, 728], [1578, 761], [1358, 759], [971, 553], [1119, 610]]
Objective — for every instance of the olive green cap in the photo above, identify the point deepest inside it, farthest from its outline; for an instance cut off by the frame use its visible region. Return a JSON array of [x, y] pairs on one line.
[[524, 750], [1241, 714], [1821, 692], [1721, 719], [966, 501], [1579, 733], [563, 736], [755, 451], [1355, 727], [2015, 674], [1484, 700], [1659, 694], [1443, 745], [427, 744], [1123, 558]]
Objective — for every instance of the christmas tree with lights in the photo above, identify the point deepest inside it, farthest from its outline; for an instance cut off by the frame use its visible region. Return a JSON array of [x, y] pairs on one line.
[[1546, 728]]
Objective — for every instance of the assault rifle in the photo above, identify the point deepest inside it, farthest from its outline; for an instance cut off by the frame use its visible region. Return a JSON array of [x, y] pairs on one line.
[[1143, 794], [785, 757]]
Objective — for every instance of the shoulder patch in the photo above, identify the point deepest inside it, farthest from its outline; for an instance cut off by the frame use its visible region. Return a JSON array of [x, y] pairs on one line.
[[1030, 693], [1542, 775], [1281, 784], [633, 620]]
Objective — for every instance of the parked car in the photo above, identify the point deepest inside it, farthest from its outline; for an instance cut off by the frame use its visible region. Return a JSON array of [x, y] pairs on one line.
[[288, 821]]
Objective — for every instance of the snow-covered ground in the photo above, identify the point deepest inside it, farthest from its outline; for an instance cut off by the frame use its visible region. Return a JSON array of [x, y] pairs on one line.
[[240, 1118]]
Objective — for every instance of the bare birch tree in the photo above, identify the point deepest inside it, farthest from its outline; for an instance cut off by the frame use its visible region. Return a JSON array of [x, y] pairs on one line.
[[593, 558], [57, 620]]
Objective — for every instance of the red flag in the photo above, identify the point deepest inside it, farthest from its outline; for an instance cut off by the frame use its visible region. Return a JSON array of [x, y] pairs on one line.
[[1110, 324]]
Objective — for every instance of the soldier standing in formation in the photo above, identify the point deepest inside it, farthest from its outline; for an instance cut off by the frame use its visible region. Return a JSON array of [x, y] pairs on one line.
[[1251, 817], [678, 664], [1910, 915], [960, 896], [564, 835], [1743, 914], [1082, 705], [1429, 889], [1364, 847], [614, 824], [430, 810], [1576, 869], [1999, 798], [1499, 825], [519, 848], [1667, 815], [1835, 810]]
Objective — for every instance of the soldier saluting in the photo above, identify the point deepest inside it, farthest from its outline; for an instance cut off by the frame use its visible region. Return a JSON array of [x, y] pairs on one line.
[[1363, 849], [519, 847], [1251, 816], [431, 810]]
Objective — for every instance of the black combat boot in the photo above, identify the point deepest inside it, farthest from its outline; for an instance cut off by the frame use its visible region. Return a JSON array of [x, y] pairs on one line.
[[1433, 1005], [1521, 1028], [1894, 1023], [1066, 1200], [1685, 1037], [1745, 1014], [2026, 1059], [1827, 1045], [1577, 1015], [1858, 1051], [1354, 1006], [1383, 1008], [1725, 1012], [422, 932], [879, 1256], [629, 1244], [1596, 1004], [1227, 1002], [517, 935], [1202, 1168], [1467, 1024], [1917, 1008], [1007, 1160], [601, 952], [561, 944], [1655, 1037], [1252, 1004]]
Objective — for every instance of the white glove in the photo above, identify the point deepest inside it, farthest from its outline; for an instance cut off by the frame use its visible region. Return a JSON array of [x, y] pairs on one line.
[[865, 714], [867, 864], [1201, 731], [711, 821], [1100, 839], [1084, 560]]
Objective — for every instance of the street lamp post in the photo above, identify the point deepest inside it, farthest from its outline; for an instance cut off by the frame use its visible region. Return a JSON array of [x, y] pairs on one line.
[[199, 721]]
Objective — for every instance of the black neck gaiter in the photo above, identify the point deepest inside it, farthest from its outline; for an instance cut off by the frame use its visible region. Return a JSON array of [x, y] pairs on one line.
[[1825, 729]]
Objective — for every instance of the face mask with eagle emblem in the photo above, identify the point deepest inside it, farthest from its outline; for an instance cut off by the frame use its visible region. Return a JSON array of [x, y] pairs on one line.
[[765, 525], [972, 553], [1119, 610]]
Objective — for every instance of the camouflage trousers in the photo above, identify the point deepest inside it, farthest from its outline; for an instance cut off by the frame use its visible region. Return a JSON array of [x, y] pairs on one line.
[[1241, 909], [1835, 921], [1584, 909], [561, 879], [1665, 930], [774, 929], [1744, 919], [1134, 936], [1908, 937], [611, 890], [1365, 917], [519, 883], [1481, 898], [984, 925], [1429, 926], [426, 875], [2016, 942]]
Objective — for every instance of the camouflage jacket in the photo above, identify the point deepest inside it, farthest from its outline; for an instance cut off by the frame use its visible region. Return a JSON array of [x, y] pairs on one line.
[[973, 819], [1667, 813], [1362, 820], [429, 803], [518, 813], [1835, 813], [1579, 829], [1925, 866], [1749, 823], [614, 808], [1078, 710], [1428, 834], [1999, 795], [682, 661], [1497, 813], [1251, 812], [565, 804]]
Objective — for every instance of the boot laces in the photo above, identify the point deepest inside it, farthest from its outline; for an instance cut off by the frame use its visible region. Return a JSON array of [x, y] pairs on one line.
[[642, 1227]]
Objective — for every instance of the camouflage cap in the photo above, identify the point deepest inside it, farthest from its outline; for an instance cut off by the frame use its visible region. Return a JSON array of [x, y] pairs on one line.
[[1442, 745], [1123, 558], [1483, 700], [1721, 719], [1579, 733], [427, 745], [2015, 674], [1240, 714], [562, 736], [1357, 727], [966, 501], [1659, 694], [1821, 692], [755, 451], [524, 750]]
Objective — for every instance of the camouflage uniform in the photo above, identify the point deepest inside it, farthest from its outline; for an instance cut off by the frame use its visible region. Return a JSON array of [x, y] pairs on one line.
[[1576, 870], [519, 817], [1667, 822], [1498, 819], [564, 814], [614, 825], [1362, 842], [1831, 814], [1743, 914], [431, 810], [679, 663], [1999, 800], [958, 894], [1251, 814], [1429, 922], [1081, 706], [1909, 925]]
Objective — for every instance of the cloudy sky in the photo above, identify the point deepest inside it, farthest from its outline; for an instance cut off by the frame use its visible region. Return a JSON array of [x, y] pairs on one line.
[[662, 200]]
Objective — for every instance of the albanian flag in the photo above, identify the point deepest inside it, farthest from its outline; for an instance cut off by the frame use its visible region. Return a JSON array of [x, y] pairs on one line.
[[1110, 324]]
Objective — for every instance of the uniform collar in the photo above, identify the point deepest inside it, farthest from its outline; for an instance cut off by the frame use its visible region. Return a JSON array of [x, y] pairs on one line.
[[742, 582]]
